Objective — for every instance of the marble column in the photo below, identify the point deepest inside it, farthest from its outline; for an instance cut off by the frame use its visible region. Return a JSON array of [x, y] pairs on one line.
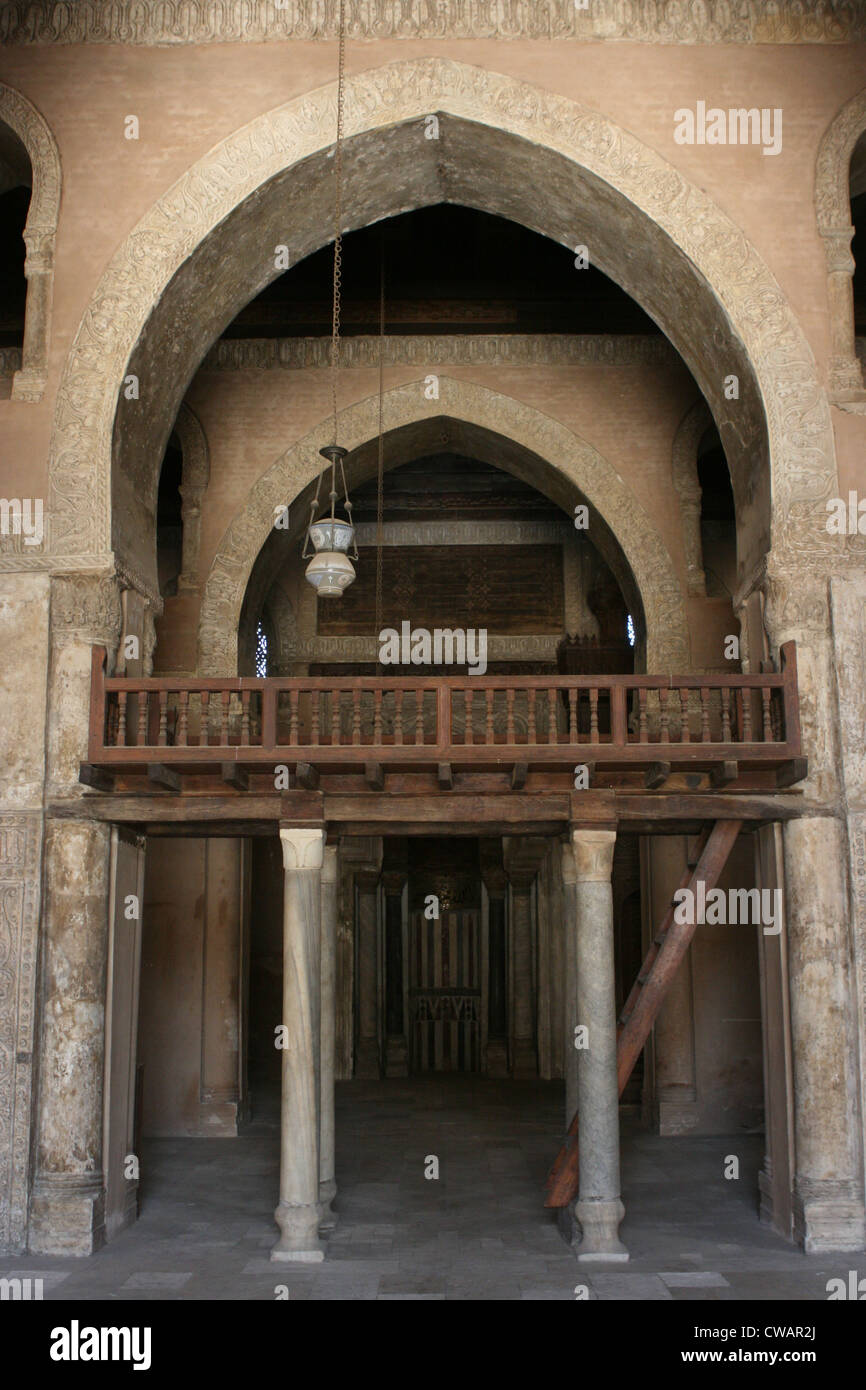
[[598, 1208], [298, 1212], [569, 911], [327, 1175]]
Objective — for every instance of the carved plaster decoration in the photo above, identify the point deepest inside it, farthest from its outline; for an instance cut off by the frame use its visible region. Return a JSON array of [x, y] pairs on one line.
[[39, 231], [684, 466], [250, 21], [445, 349], [86, 607], [572, 458], [729, 272], [833, 211], [466, 532]]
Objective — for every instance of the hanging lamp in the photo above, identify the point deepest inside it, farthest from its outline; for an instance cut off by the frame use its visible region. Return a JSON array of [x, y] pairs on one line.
[[330, 538]]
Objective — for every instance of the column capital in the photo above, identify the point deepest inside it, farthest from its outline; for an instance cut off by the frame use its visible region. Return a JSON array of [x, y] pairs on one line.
[[302, 848], [593, 855]]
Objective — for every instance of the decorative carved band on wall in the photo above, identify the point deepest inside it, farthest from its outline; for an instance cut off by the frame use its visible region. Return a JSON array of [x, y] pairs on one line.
[[445, 349], [238, 21]]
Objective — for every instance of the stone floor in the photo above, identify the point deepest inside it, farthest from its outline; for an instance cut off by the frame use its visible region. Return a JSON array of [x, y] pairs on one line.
[[479, 1231]]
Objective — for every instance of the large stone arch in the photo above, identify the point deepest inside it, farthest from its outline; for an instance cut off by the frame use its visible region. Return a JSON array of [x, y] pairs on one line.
[[569, 463], [22, 117], [833, 212], [506, 146]]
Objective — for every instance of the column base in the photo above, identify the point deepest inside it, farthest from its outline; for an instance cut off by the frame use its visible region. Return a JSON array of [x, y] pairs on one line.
[[829, 1216], [673, 1117], [299, 1238], [367, 1060], [396, 1057], [599, 1224], [327, 1216], [67, 1215], [525, 1060]]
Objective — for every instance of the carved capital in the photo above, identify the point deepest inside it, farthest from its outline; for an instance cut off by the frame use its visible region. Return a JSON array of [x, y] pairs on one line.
[[593, 855], [302, 849], [568, 866], [837, 244], [86, 607]]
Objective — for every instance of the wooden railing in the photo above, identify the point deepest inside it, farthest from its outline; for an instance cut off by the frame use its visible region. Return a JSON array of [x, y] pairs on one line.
[[472, 720]]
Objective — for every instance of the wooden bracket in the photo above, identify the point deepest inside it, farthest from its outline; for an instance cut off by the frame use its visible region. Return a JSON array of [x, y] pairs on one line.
[[235, 776], [793, 771], [656, 775], [95, 777], [518, 776], [307, 776], [725, 772], [161, 776], [374, 776], [445, 776]]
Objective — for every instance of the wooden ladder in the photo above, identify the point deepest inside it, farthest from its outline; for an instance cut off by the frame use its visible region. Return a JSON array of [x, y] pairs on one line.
[[667, 950]]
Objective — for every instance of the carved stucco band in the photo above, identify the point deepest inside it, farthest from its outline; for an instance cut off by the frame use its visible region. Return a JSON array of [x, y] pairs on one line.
[[239, 21], [445, 349], [39, 231], [568, 454], [801, 443], [684, 465], [833, 210]]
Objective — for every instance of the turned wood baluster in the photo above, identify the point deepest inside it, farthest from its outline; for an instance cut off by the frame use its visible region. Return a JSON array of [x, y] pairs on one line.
[[685, 732], [572, 716], [593, 715], [163, 718], [726, 714], [143, 703], [204, 734], [705, 714], [293, 717], [356, 716], [245, 718], [490, 737], [664, 717], [377, 716], [224, 718], [121, 718], [419, 715], [746, 706], [765, 701], [469, 734], [334, 701], [530, 715], [641, 700], [509, 716], [314, 718], [398, 716], [182, 718]]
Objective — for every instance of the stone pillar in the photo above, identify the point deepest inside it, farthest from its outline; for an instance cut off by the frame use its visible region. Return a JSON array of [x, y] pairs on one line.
[[29, 383], [819, 918], [598, 1208], [569, 913], [367, 1056], [495, 1060], [522, 858], [67, 1206], [327, 1174], [298, 1212], [396, 1046], [674, 1109], [845, 374]]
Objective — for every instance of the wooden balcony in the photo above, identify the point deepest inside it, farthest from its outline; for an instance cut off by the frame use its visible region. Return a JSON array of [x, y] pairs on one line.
[[484, 733]]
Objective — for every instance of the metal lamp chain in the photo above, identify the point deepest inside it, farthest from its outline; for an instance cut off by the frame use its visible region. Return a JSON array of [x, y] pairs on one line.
[[338, 217]]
